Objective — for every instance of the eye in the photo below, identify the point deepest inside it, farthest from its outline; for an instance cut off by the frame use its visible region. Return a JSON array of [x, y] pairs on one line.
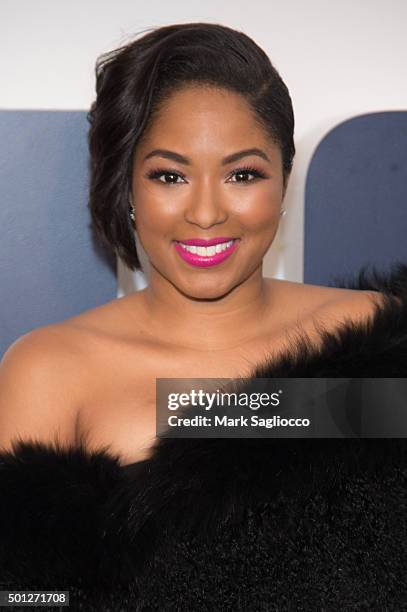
[[157, 173], [246, 170], [174, 176]]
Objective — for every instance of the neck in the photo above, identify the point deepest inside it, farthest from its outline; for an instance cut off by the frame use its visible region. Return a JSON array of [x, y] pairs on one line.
[[206, 324]]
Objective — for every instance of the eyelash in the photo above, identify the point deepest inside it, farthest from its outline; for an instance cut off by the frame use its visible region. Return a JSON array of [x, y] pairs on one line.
[[155, 174]]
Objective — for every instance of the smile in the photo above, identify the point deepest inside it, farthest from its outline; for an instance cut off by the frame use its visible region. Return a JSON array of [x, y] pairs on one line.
[[206, 256]]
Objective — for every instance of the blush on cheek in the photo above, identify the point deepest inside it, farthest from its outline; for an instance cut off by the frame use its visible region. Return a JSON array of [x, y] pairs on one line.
[[262, 220]]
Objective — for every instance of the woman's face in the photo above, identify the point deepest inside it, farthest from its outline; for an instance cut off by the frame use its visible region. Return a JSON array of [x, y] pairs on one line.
[[185, 188]]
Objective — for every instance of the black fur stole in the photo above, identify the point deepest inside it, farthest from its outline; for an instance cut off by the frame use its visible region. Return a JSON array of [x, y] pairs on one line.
[[226, 524]]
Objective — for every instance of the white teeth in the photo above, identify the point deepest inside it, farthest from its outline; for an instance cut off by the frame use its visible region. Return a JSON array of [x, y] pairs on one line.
[[207, 251]]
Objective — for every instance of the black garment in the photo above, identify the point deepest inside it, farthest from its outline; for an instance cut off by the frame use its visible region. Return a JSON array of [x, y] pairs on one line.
[[131, 468], [226, 524]]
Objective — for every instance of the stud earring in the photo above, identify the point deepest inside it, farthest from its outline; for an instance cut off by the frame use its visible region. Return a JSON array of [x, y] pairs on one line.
[[131, 208], [283, 212]]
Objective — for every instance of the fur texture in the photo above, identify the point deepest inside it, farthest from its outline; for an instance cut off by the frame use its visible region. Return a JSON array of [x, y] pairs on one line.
[[226, 524]]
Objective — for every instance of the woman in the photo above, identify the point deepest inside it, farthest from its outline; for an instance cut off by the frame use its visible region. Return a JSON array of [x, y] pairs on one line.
[[191, 144]]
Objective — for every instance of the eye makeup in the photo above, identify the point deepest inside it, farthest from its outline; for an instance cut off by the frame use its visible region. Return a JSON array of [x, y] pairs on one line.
[[156, 173]]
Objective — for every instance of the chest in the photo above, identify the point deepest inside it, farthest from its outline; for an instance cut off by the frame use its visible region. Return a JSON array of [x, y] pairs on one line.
[[119, 410]]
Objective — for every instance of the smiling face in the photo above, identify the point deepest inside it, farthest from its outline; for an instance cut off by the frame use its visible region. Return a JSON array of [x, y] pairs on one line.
[[184, 187]]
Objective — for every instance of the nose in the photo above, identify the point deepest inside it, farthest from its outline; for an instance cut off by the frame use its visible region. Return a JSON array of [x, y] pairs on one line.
[[206, 208]]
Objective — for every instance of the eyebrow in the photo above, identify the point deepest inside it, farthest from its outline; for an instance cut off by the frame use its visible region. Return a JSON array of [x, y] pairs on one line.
[[226, 160]]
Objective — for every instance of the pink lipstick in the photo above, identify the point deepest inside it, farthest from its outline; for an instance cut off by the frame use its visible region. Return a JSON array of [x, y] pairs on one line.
[[204, 253]]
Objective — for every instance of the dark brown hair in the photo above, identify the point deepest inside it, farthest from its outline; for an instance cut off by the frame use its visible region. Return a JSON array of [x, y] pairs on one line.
[[133, 81]]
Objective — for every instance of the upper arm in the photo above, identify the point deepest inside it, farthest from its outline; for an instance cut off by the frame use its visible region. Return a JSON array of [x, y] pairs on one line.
[[38, 396]]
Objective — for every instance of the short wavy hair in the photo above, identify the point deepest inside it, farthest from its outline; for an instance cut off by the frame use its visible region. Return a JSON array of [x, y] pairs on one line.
[[133, 81]]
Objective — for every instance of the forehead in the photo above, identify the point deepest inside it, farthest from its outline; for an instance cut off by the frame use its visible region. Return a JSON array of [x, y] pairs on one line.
[[203, 115]]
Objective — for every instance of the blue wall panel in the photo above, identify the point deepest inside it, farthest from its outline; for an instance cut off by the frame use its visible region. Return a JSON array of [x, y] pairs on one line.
[[356, 198], [50, 264]]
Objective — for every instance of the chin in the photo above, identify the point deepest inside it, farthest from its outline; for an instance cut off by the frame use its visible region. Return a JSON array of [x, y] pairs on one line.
[[205, 289]]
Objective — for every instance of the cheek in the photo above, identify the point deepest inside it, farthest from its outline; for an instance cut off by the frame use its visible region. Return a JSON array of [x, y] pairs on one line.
[[151, 208], [258, 207], [259, 217], [154, 217]]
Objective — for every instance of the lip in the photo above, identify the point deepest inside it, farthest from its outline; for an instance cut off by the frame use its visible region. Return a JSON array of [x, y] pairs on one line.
[[206, 242], [205, 262]]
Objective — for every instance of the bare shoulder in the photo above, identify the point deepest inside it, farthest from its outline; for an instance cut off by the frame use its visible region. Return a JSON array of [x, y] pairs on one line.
[[40, 352], [354, 304], [332, 304], [39, 382], [319, 293], [48, 375], [118, 320], [359, 307]]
